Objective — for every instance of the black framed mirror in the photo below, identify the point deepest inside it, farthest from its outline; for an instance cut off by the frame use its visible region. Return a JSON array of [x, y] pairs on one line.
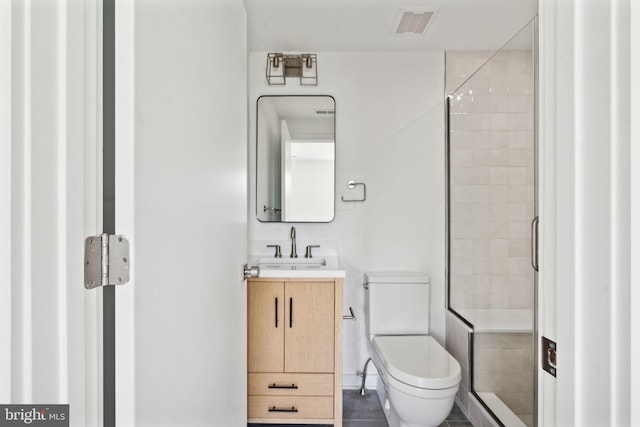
[[295, 158]]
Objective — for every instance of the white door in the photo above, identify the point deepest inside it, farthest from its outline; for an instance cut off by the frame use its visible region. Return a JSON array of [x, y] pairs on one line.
[[589, 215], [181, 199], [49, 351]]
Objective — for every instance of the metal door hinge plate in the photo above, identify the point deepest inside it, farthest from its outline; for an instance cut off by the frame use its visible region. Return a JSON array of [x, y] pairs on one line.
[[106, 261]]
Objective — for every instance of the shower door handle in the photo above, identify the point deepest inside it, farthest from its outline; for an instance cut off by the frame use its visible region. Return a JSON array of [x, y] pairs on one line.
[[534, 243]]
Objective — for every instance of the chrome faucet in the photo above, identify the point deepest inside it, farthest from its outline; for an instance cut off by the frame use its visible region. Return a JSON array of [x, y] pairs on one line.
[[294, 254]]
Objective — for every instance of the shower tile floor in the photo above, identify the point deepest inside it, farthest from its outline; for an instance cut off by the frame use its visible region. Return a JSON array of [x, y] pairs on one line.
[[366, 411]]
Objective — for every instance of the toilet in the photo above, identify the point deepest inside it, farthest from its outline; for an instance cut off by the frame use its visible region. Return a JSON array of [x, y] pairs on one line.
[[418, 378]]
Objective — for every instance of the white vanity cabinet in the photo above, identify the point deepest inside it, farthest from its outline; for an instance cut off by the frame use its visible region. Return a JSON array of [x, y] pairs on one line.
[[294, 360]]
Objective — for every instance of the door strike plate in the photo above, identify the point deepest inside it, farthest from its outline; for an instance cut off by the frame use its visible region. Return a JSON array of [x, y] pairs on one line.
[[549, 356]]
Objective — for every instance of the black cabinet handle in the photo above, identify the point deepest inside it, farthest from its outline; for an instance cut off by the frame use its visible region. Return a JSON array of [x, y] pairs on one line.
[[274, 409], [292, 386], [290, 312], [276, 312]]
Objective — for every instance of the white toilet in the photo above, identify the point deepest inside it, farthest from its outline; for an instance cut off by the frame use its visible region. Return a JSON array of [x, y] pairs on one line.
[[419, 377]]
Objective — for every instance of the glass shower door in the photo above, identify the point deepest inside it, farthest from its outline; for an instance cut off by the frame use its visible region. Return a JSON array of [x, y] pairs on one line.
[[492, 203]]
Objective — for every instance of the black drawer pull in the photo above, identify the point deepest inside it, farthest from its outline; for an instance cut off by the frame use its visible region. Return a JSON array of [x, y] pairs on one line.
[[292, 386], [276, 312], [274, 409]]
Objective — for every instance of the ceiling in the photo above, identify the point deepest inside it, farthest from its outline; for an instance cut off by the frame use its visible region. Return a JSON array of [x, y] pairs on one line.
[[367, 25]]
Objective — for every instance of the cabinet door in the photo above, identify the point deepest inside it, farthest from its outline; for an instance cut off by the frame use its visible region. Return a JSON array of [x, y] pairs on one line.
[[309, 330], [265, 328]]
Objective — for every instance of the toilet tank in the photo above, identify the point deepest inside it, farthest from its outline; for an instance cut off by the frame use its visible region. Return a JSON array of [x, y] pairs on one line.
[[396, 303]]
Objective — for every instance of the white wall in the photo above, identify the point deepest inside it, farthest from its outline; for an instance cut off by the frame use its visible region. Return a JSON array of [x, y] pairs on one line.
[[389, 135]]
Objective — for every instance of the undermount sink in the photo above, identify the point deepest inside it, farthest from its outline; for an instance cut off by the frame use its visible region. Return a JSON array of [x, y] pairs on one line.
[[321, 266]]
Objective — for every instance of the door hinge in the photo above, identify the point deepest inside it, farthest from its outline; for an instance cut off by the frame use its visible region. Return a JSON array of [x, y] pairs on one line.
[[106, 261]]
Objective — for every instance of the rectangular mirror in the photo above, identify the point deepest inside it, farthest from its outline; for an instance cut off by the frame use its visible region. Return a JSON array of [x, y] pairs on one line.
[[295, 159]]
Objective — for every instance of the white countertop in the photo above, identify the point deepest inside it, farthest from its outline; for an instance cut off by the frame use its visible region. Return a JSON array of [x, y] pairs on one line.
[[318, 266]]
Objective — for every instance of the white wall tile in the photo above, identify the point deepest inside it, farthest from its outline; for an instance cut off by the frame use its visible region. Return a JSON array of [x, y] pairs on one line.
[[499, 175], [518, 229], [498, 180], [482, 157], [481, 175], [499, 194], [518, 211], [517, 193], [500, 121], [500, 210], [499, 266], [482, 104], [499, 157], [518, 121], [499, 248], [481, 139], [519, 248], [483, 121], [500, 103], [462, 157], [499, 140], [518, 139]]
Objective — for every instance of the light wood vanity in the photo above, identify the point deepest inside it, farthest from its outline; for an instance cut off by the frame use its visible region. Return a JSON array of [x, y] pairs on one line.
[[294, 350]]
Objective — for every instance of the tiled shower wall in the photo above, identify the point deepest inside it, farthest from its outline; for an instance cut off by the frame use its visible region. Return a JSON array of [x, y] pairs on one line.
[[492, 179], [504, 366]]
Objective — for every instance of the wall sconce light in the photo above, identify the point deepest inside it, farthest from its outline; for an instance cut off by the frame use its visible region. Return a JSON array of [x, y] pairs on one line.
[[303, 66]]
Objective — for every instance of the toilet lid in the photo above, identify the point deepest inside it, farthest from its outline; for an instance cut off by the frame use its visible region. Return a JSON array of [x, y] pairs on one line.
[[417, 360]]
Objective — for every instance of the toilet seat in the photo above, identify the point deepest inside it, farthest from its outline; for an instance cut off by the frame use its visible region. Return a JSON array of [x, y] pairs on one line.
[[417, 360]]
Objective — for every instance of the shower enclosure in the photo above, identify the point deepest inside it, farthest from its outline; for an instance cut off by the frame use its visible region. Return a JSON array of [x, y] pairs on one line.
[[492, 193]]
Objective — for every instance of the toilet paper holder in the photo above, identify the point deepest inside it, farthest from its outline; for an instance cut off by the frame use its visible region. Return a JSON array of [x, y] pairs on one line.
[[351, 185], [350, 316]]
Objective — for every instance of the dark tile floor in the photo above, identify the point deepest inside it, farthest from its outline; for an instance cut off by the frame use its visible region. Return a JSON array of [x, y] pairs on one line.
[[362, 411], [366, 411]]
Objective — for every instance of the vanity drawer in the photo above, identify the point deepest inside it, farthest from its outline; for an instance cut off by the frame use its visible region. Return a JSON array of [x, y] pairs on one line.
[[285, 384], [303, 407]]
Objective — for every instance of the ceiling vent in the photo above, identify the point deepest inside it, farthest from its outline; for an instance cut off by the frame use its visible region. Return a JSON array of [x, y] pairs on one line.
[[412, 21]]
